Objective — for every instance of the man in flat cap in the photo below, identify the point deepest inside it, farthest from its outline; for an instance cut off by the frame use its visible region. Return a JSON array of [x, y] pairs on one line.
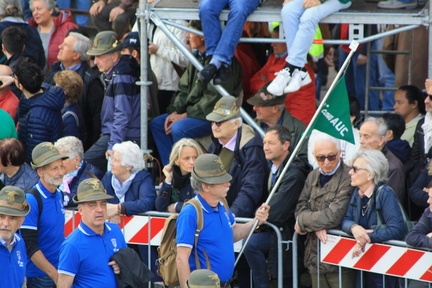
[[120, 115], [85, 254], [271, 111], [43, 227], [13, 255], [215, 243]]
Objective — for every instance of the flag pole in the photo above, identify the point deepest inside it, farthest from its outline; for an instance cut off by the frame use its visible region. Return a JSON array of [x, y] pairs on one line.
[[353, 46]]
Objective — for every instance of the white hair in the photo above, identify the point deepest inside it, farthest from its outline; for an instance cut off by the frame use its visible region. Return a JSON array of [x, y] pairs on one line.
[[131, 155]]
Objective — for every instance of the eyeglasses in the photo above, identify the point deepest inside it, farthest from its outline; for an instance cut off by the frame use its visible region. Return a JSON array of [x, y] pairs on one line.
[[12, 75], [331, 157], [356, 169], [427, 95], [218, 124]]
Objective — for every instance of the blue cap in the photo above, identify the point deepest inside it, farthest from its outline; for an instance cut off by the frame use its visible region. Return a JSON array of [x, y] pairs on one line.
[[131, 40]]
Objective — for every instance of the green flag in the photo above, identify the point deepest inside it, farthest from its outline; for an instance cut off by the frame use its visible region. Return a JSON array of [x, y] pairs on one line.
[[334, 118]]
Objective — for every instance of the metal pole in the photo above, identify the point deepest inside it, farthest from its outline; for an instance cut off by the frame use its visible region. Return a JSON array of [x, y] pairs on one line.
[[353, 47], [159, 23]]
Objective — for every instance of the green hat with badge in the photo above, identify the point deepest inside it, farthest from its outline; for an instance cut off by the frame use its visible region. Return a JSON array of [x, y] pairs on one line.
[[13, 201], [225, 109], [91, 189], [203, 278], [45, 153], [209, 169], [264, 98], [105, 42]]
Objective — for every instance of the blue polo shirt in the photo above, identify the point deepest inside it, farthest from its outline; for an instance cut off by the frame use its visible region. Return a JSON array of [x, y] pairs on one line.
[[216, 237], [51, 230], [13, 264], [85, 256]]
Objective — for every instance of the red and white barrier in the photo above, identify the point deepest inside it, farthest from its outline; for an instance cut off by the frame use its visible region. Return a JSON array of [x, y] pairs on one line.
[[379, 258]]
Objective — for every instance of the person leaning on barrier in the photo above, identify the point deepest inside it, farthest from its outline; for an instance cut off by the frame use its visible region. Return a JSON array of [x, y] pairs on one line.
[[176, 187], [421, 234], [85, 254], [321, 206], [372, 196], [262, 245], [13, 255], [211, 183]]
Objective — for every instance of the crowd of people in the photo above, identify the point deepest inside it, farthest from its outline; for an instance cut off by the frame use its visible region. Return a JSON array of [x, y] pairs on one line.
[[71, 128]]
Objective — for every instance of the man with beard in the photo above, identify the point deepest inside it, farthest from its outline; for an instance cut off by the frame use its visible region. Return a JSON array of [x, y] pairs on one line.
[[13, 256], [42, 229]]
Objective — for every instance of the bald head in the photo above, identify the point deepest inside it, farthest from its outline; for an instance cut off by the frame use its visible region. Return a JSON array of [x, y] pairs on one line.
[[5, 70]]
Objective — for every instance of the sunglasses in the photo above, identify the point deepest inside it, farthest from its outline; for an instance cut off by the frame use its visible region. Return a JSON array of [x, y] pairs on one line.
[[425, 94], [218, 124], [323, 158], [356, 169]]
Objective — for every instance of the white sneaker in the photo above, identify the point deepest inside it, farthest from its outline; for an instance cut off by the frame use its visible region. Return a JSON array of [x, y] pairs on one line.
[[281, 81], [299, 79]]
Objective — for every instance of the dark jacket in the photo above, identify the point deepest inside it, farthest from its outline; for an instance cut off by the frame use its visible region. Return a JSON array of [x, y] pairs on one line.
[[33, 46], [73, 123], [248, 170], [390, 215], [90, 102], [139, 198], [417, 235], [400, 148], [418, 158], [180, 189], [416, 192], [133, 272], [40, 118], [396, 177], [120, 114], [25, 178], [86, 171]]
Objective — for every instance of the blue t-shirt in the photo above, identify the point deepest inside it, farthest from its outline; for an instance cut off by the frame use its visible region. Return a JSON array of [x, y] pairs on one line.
[[216, 237], [85, 256], [51, 230], [13, 264]]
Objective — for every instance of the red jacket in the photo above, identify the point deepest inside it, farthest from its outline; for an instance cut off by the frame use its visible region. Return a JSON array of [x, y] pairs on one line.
[[300, 104], [250, 65], [62, 23], [9, 103]]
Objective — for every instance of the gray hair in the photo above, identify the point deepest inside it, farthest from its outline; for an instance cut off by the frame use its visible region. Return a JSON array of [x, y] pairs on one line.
[[70, 145], [382, 126], [179, 145], [237, 119], [82, 45], [328, 138], [376, 164], [11, 8], [131, 155], [50, 4], [196, 185]]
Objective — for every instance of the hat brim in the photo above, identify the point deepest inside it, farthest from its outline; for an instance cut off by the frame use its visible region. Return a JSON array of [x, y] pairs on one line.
[[257, 100], [214, 117], [49, 160], [96, 52], [95, 197], [213, 180], [14, 212]]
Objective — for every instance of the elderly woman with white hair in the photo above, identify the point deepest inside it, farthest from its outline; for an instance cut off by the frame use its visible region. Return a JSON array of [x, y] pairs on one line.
[[372, 202], [131, 186], [76, 168]]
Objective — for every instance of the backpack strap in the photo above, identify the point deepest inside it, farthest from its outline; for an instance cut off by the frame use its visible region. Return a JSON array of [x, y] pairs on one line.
[[200, 225], [33, 191]]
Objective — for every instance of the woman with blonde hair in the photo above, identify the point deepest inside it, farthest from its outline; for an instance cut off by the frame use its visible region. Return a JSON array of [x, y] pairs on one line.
[[176, 187]]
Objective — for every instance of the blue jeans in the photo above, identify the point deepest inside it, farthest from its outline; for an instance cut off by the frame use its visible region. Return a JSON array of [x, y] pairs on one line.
[[222, 44], [300, 25], [40, 282], [256, 253], [185, 128], [385, 78]]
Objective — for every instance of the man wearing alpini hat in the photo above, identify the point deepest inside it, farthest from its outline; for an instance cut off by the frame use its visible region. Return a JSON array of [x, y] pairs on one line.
[[120, 115], [241, 151], [43, 227], [85, 254], [211, 182], [13, 255]]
